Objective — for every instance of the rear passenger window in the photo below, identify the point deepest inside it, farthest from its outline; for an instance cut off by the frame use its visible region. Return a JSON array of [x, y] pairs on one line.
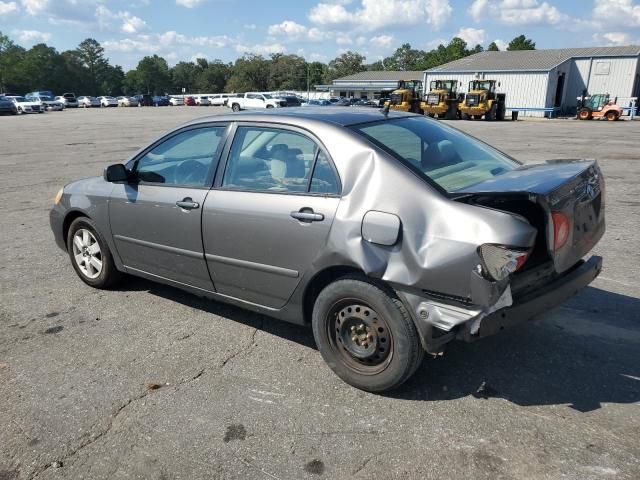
[[270, 159], [324, 178]]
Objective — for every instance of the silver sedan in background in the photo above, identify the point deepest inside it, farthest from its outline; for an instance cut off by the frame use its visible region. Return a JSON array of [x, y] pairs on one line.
[[390, 234], [87, 102], [124, 101]]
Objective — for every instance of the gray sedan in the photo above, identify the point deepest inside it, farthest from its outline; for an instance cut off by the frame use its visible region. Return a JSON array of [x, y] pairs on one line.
[[390, 234]]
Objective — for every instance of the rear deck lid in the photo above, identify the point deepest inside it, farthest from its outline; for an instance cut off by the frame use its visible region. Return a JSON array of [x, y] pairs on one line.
[[574, 188]]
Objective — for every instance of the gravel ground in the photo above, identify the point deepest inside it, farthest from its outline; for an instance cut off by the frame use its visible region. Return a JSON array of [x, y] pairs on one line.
[[146, 381]]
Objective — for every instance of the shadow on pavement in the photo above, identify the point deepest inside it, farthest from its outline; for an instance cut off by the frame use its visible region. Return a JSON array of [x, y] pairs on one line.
[[583, 354]]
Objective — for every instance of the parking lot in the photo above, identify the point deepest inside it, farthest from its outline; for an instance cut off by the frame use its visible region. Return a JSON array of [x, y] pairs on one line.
[[146, 381]]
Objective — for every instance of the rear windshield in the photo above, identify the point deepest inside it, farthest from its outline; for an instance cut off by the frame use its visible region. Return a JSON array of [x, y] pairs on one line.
[[442, 154]]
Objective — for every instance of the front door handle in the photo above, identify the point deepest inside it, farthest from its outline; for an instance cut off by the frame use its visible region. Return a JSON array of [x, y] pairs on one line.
[[307, 215], [187, 204]]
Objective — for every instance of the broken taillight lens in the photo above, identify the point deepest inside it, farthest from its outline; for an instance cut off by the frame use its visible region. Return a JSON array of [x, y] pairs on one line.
[[561, 229], [500, 261]]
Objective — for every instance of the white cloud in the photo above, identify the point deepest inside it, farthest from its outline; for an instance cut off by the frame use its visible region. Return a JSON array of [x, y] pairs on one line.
[[502, 45], [131, 23], [289, 28], [613, 38], [250, 26], [478, 9], [164, 43], [31, 36], [472, 36], [517, 12], [261, 49], [199, 55], [34, 7], [8, 7], [190, 3], [620, 12], [381, 41], [376, 14]]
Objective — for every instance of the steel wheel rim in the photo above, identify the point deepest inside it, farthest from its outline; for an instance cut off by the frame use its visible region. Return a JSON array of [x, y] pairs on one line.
[[87, 253], [359, 336]]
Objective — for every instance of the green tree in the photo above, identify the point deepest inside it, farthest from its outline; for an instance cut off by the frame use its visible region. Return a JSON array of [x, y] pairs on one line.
[[91, 53], [153, 75], [214, 77], [404, 58], [184, 75], [250, 72], [521, 43], [493, 47], [346, 64], [287, 72], [112, 80], [377, 66], [10, 57], [132, 83]]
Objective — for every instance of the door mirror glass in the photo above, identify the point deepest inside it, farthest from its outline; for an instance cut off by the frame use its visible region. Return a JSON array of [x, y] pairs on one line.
[[115, 173]]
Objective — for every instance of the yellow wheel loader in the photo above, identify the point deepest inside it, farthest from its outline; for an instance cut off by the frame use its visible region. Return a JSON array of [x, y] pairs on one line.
[[407, 97], [443, 99], [483, 101]]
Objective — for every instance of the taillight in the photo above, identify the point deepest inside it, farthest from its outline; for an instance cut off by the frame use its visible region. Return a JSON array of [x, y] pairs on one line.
[[561, 229], [500, 261]]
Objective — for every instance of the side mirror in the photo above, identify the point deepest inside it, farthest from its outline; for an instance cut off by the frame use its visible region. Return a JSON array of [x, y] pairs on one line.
[[116, 173]]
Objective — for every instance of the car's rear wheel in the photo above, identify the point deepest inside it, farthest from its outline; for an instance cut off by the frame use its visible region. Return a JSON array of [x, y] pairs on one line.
[[90, 254], [365, 334], [235, 107]]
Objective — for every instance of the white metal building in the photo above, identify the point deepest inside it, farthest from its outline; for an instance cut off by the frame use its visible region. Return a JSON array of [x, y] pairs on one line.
[[369, 84], [550, 79]]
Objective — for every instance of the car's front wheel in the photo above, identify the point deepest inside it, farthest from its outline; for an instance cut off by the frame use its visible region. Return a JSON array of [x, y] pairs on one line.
[[365, 334], [90, 254]]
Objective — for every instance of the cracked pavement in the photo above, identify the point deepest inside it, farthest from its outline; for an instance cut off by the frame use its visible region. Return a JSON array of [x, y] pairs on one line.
[[146, 381]]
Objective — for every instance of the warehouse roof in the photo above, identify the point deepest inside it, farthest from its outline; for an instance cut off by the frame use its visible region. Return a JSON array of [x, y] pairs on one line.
[[382, 76], [528, 60]]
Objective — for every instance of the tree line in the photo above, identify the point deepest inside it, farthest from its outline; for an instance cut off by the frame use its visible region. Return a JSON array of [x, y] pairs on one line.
[[87, 71]]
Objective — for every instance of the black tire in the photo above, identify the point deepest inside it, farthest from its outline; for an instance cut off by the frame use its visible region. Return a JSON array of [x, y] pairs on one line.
[[501, 112], [235, 107], [385, 361], [108, 275], [477, 117], [490, 116], [466, 116], [585, 114], [431, 115], [269, 106]]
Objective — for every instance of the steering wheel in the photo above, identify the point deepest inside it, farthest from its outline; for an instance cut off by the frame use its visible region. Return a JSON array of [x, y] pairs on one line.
[[190, 172]]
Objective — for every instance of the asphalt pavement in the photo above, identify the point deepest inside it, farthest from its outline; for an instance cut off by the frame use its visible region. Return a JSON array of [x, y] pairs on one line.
[[146, 381]]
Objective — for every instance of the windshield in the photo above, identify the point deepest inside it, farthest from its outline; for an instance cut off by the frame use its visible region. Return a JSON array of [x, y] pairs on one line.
[[20, 99], [442, 154], [267, 96], [44, 97]]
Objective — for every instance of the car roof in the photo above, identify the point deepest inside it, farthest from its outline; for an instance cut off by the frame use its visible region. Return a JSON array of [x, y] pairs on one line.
[[343, 116]]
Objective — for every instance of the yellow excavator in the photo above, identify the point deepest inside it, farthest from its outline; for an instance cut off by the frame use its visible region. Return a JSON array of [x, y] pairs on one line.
[[443, 99], [483, 101], [407, 97]]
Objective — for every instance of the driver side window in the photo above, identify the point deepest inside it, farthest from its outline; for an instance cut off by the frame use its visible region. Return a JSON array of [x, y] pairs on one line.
[[188, 158]]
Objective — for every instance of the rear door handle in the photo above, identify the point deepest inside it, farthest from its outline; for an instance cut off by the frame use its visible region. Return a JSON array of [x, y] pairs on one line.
[[187, 204], [307, 215]]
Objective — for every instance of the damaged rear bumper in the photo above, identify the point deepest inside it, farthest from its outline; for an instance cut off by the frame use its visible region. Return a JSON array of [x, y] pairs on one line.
[[535, 303], [440, 322]]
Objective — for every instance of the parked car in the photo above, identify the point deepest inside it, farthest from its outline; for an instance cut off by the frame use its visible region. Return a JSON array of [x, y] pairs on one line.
[[47, 102], [160, 101], [342, 102], [7, 106], [87, 102], [363, 102], [291, 101], [190, 101], [254, 100], [435, 237], [219, 99], [317, 103], [176, 101], [124, 101], [144, 100], [39, 93], [26, 106], [69, 100], [108, 101], [202, 100]]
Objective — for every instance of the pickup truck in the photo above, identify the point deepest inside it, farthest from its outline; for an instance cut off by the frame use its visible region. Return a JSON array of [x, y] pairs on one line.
[[254, 100]]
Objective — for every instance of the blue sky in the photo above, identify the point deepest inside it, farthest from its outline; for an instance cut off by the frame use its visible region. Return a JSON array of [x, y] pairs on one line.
[[317, 30]]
